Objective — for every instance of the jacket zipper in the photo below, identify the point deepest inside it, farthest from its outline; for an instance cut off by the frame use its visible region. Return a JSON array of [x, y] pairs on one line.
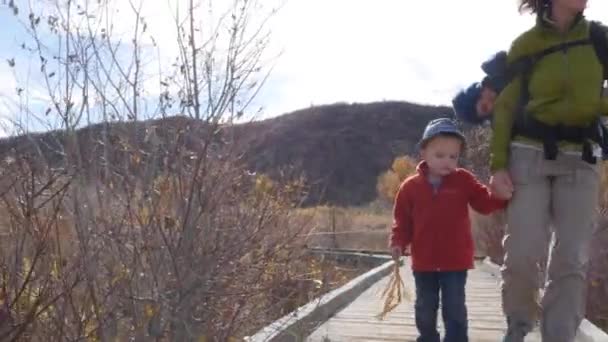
[[435, 195], [566, 77]]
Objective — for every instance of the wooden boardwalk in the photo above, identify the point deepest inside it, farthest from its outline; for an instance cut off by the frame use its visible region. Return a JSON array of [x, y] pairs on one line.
[[356, 322]]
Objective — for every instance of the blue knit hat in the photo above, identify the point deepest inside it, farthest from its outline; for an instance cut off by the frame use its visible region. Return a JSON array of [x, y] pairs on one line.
[[496, 64], [465, 104], [495, 68], [442, 126]]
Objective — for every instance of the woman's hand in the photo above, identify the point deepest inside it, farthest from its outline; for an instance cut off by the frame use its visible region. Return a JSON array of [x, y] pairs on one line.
[[501, 184]]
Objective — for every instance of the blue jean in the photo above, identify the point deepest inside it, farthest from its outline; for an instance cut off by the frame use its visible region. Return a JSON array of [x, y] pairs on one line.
[[451, 286]]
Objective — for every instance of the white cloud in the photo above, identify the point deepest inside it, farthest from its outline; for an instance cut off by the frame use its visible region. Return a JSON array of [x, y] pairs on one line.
[[368, 50], [350, 50]]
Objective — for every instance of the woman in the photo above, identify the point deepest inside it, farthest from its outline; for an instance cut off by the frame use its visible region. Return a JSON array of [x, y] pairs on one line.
[[541, 151]]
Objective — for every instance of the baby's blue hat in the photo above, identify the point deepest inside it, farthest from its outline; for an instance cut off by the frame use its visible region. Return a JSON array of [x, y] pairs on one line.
[[464, 104]]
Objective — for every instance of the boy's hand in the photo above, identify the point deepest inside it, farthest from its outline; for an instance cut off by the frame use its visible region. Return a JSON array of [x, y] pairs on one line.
[[501, 185], [502, 196], [396, 253]]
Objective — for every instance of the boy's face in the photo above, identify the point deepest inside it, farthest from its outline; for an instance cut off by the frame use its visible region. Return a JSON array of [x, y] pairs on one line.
[[485, 104], [441, 154]]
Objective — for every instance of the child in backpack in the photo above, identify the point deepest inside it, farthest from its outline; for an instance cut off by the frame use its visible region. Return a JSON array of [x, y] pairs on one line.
[[475, 103], [431, 215]]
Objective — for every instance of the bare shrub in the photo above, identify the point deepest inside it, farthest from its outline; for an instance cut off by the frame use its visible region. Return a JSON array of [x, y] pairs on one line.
[[118, 232]]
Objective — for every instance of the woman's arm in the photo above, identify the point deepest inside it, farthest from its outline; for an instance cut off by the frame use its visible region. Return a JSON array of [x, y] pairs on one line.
[[505, 108], [600, 41]]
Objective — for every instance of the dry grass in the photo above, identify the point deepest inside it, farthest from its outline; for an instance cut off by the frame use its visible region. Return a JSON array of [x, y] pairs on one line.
[[367, 228], [394, 293], [361, 228]]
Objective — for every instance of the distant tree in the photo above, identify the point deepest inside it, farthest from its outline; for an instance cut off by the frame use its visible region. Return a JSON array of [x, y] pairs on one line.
[[389, 181]]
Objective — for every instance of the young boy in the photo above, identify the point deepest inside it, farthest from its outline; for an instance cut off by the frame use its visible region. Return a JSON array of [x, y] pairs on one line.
[[431, 216]]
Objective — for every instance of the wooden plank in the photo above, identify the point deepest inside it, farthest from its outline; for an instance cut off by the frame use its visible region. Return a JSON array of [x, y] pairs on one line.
[[357, 321]]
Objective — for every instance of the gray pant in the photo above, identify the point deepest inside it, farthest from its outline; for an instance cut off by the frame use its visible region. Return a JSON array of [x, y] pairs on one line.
[[562, 193]]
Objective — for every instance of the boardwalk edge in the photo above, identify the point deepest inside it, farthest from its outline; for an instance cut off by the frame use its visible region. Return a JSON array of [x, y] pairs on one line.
[[295, 326]]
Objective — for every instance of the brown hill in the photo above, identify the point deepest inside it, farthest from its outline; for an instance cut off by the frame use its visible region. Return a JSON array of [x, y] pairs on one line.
[[340, 149]]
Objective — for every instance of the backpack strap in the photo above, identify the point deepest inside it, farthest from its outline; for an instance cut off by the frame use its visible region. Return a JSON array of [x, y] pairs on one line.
[[523, 65], [598, 34], [559, 48]]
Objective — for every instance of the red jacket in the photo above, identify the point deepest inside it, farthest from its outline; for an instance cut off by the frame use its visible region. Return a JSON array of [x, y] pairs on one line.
[[437, 225]]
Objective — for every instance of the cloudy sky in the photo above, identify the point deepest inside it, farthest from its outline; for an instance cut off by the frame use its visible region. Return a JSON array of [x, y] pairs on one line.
[[340, 50], [369, 50]]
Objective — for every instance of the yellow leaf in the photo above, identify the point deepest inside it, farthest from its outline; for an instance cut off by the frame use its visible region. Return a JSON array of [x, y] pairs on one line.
[[27, 265], [144, 214], [90, 329], [263, 185], [55, 269], [120, 274], [149, 310]]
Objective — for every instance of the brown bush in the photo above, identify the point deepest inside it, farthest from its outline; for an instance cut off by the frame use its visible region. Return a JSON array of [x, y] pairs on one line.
[[389, 181], [148, 235], [150, 255]]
